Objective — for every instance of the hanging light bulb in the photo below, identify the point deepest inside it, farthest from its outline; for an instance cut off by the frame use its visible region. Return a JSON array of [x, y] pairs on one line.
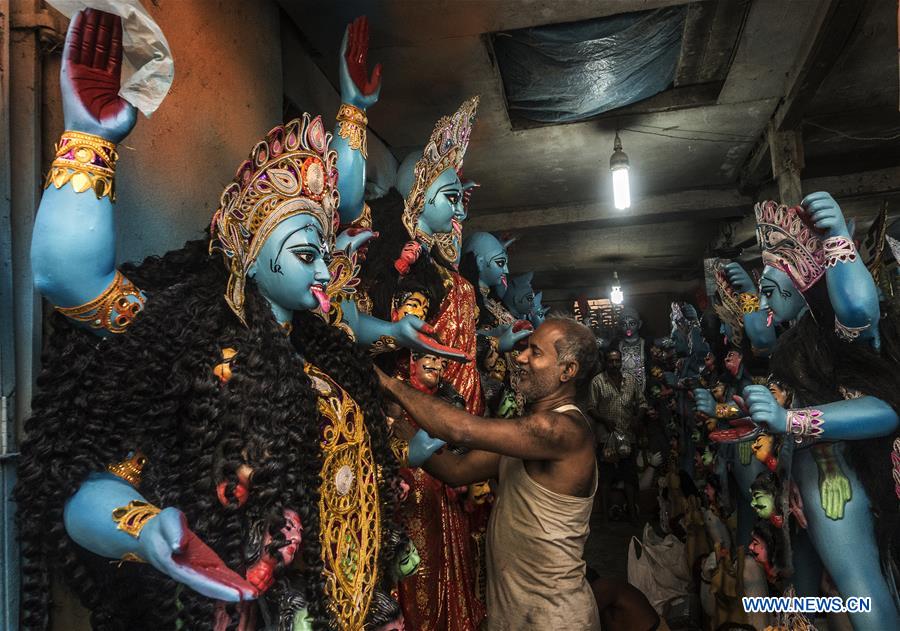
[[618, 164], [615, 295]]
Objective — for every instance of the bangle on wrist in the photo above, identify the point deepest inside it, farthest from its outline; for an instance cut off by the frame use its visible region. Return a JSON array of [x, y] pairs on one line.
[[85, 161]]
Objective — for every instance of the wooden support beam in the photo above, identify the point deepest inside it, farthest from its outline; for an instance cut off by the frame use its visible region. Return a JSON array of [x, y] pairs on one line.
[[786, 149], [840, 19], [831, 29]]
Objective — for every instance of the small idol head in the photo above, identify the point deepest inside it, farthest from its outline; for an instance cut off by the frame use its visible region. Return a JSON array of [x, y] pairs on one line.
[[291, 270], [763, 447], [759, 550], [413, 303], [763, 502], [408, 560], [718, 391], [427, 369], [733, 361]]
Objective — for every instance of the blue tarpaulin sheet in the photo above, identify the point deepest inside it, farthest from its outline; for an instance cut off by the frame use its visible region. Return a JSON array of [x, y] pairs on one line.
[[569, 72]]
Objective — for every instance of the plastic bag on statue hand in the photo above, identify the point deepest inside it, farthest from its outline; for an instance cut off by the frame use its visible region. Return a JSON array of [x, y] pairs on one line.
[[148, 68]]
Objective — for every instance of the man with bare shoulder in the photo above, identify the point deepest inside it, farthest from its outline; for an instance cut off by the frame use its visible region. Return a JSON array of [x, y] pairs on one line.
[[547, 474]]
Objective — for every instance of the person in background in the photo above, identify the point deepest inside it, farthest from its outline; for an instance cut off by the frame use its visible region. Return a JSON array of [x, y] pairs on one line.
[[617, 403]]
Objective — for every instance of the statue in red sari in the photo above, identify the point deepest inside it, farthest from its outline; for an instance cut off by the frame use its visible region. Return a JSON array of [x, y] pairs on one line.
[[410, 270]]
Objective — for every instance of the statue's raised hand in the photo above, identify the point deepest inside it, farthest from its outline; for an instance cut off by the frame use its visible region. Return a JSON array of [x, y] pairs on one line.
[[357, 88], [825, 214], [739, 278], [168, 544], [91, 75]]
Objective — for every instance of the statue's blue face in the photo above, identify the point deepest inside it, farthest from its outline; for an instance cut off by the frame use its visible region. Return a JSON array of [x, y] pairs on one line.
[[538, 311], [519, 297], [443, 204], [631, 325], [493, 267], [779, 296], [291, 270]]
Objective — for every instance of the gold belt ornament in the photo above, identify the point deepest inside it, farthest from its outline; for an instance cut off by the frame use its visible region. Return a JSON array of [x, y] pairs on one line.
[[349, 505]]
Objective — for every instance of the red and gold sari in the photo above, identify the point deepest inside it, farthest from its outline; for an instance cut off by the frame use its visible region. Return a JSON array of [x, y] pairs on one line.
[[441, 596]]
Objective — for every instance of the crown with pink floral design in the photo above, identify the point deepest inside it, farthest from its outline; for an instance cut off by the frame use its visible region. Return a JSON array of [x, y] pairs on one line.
[[789, 244], [292, 171], [446, 149]]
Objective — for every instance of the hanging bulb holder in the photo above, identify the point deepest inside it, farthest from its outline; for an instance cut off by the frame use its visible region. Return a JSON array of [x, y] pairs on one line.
[[618, 160], [616, 295]]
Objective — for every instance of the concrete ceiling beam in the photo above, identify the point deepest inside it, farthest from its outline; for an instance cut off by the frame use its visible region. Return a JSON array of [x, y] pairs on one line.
[[672, 206]]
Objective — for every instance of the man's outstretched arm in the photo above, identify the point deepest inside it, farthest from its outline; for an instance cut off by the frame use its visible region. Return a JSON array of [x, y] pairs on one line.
[[475, 466], [539, 436]]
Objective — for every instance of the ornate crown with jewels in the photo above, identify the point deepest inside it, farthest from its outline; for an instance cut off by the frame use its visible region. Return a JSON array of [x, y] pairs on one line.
[[789, 244], [729, 308], [290, 172], [446, 149]]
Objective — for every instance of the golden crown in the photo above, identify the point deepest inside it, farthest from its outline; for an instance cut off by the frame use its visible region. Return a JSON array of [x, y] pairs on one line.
[[789, 244], [729, 307], [446, 149], [290, 172]]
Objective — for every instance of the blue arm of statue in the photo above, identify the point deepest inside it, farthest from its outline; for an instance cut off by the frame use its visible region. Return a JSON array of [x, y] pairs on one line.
[[349, 139], [760, 333], [408, 332], [851, 288], [73, 243], [162, 540], [853, 419]]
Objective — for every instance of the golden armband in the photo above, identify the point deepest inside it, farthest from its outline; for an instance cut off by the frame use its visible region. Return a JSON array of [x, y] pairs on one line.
[[113, 310], [352, 123], [85, 161]]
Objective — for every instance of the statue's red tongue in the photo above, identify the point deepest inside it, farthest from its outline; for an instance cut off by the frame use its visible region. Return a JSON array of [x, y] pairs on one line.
[[324, 301]]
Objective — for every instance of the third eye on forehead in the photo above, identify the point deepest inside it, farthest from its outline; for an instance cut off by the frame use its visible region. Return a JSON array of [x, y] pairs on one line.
[[307, 235]]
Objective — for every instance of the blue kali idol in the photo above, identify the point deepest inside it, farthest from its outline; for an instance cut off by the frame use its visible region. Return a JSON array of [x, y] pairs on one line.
[[200, 437], [839, 363]]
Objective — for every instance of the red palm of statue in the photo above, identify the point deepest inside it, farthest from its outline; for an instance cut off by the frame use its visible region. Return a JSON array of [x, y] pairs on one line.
[[357, 57], [93, 66]]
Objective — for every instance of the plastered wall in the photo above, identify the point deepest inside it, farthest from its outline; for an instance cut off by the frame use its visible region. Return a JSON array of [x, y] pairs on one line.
[[227, 94]]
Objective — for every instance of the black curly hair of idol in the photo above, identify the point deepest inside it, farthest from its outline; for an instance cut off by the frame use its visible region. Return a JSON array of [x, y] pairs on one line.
[[813, 362], [383, 610], [153, 389], [381, 280]]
